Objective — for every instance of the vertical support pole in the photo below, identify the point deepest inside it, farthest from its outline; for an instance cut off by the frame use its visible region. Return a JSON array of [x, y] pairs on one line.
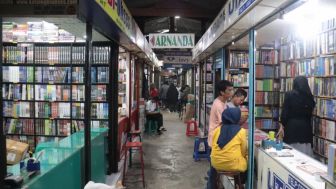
[[223, 63], [87, 104], [251, 109], [113, 154], [3, 160]]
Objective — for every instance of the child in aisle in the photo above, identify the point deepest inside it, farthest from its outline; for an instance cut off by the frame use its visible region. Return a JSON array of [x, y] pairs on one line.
[[237, 100]]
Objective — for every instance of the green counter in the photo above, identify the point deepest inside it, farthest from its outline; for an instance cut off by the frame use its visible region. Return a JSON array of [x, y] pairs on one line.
[[62, 162]]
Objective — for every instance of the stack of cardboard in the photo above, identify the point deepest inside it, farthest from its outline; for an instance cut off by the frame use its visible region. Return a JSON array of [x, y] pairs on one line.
[[16, 151]]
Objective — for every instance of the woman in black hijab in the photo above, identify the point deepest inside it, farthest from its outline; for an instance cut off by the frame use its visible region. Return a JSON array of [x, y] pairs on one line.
[[172, 97], [296, 116]]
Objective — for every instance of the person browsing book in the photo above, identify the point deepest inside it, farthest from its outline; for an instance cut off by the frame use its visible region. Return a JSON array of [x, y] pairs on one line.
[[296, 115]]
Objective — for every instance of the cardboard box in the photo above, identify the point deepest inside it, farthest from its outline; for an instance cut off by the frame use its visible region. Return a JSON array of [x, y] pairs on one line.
[[16, 151]]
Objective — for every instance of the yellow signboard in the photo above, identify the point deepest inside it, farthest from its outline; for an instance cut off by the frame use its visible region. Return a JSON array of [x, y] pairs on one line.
[[119, 13]]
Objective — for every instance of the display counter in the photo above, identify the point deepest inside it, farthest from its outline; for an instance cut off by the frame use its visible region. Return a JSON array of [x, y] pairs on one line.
[[63, 162], [285, 169]]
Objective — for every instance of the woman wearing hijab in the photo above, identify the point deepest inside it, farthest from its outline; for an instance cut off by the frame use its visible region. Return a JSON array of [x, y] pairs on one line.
[[229, 146], [296, 116], [172, 97]]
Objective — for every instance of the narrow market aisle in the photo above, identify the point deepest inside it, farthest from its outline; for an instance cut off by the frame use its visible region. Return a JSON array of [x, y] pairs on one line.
[[168, 160]]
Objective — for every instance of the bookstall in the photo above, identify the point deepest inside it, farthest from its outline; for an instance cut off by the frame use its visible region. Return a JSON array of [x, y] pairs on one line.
[[264, 54], [56, 54]]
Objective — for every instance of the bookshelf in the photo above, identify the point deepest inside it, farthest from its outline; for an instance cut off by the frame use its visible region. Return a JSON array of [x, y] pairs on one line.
[[267, 89], [122, 79], [315, 59], [237, 70], [208, 88], [43, 89]]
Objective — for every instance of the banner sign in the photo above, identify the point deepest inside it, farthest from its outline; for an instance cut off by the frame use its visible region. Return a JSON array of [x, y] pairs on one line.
[[120, 14], [229, 14], [168, 40]]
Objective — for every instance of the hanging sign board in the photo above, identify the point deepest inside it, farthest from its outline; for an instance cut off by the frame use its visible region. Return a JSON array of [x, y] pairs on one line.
[[177, 57], [119, 13], [168, 40], [229, 14]]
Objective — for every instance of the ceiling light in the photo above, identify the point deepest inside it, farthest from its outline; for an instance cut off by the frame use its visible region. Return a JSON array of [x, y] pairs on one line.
[[177, 17], [165, 31]]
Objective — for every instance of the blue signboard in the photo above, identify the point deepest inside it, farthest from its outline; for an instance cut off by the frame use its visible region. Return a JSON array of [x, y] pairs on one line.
[[246, 5]]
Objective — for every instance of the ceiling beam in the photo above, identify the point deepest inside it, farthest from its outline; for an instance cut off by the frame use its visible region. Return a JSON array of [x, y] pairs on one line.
[[168, 12], [169, 8]]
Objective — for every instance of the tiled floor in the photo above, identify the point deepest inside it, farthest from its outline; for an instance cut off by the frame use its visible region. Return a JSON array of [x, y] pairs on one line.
[[168, 160]]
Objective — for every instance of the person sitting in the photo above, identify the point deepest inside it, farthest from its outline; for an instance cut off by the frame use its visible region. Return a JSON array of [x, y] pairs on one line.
[[153, 113], [229, 147]]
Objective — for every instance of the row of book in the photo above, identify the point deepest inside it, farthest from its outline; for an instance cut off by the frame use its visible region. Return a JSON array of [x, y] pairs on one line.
[[22, 53], [241, 79], [267, 98], [324, 128], [267, 56], [322, 66], [266, 124], [17, 74], [320, 146], [52, 92], [264, 71], [19, 126], [98, 92], [47, 127], [18, 109], [17, 91], [101, 55], [328, 24], [239, 59], [294, 47], [326, 108], [266, 112], [286, 84], [99, 110], [266, 85], [53, 74], [99, 74], [325, 87], [327, 42], [56, 54]]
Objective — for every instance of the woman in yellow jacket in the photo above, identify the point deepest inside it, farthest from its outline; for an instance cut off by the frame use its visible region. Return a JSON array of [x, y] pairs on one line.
[[229, 147]]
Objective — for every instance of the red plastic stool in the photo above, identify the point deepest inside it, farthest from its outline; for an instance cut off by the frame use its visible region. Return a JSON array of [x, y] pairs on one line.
[[131, 136], [138, 146], [234, 174], [194, 132]]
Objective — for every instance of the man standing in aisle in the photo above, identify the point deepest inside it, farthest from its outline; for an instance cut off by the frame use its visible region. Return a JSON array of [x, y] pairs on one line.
[[225, 92]]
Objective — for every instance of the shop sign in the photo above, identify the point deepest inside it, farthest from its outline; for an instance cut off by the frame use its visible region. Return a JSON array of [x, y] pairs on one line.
[[120, 14], [229, 14], [177, 57], [167, 40]]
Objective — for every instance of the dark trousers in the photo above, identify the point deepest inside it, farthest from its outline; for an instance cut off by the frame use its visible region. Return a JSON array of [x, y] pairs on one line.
[[156, 117]]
